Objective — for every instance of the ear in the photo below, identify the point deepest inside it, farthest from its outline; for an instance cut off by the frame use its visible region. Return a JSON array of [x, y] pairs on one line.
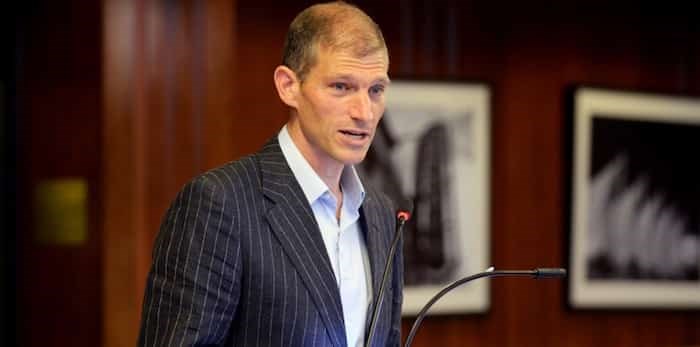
[[287, 85]]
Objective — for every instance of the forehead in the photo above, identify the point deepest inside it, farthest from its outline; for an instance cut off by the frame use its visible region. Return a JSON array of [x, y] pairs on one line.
[[343, 61]]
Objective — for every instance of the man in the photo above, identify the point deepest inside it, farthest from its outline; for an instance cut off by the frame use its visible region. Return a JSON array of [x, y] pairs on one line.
[[286, 247]]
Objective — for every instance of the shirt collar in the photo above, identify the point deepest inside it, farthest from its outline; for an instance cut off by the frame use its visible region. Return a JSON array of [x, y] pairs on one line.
[[311, 184], [353, 190]]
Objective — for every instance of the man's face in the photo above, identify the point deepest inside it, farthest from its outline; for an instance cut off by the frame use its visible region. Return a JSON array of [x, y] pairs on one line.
[[340, 104]]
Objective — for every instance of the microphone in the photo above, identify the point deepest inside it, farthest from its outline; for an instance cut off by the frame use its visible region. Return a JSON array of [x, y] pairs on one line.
[[402, 216], [539, 273]]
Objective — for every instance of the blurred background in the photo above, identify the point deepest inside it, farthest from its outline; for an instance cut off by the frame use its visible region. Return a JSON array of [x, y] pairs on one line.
[[118, 103]]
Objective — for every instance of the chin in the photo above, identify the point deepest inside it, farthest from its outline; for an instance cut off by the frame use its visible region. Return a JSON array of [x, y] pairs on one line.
[[352, 158]]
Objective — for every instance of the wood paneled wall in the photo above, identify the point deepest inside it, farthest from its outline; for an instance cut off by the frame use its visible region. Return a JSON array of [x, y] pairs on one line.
[[168, 112]]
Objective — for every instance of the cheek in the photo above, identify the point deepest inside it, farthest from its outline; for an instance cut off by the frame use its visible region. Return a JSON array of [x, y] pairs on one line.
[[326, 108], [379, 112]]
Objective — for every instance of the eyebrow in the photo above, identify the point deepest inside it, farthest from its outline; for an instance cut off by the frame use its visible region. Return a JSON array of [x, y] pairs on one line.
[[384, 80]]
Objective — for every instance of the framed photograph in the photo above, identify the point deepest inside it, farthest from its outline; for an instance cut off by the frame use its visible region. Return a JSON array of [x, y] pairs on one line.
[[432, 148], [635, 199]]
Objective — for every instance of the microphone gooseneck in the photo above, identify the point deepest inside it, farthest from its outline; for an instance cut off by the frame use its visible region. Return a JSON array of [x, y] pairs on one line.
[[402, 216], [540, 273]]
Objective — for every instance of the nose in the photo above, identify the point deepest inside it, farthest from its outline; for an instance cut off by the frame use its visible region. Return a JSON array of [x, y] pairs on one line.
[[362, 108]]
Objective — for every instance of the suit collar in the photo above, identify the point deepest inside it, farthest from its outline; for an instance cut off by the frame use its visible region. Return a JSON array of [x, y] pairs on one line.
[[287, 205], [293, 224], [378, 244], [373, 239]]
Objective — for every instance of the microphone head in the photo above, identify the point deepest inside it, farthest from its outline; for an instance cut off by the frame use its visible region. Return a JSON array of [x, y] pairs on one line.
[[405, 210]]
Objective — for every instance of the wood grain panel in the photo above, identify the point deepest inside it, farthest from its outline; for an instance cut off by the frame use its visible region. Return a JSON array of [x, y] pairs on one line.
[[168, 114]]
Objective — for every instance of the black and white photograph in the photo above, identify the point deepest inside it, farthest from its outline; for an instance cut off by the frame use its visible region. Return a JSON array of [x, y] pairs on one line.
[[636, 216], [432, 148]]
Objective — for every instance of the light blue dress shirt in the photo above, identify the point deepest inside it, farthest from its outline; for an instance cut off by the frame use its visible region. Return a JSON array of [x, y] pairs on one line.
[[343, 238]]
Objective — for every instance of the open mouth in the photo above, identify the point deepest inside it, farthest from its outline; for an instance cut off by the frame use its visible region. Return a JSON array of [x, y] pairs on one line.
[[355, 134]]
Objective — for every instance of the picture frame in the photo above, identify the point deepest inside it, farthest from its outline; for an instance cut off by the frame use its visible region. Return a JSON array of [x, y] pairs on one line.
[[634, 217], [432, 147]]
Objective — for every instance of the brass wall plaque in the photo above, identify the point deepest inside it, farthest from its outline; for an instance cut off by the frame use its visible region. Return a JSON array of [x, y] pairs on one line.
[[60, 211]]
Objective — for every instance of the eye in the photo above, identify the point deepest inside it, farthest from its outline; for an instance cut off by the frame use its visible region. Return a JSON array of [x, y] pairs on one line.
[[339, 86], [377, 90]]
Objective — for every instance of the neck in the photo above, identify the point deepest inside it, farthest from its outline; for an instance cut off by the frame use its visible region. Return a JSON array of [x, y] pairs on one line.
[[328, 169], [332, 181]]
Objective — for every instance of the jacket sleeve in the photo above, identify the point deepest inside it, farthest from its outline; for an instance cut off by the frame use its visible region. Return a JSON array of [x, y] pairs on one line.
[[193, 285]]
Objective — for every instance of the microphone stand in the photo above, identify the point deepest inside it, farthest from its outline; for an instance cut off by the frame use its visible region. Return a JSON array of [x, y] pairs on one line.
[[536, 274]]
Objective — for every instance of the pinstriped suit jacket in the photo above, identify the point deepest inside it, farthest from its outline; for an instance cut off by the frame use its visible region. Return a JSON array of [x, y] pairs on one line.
[[239, 261]]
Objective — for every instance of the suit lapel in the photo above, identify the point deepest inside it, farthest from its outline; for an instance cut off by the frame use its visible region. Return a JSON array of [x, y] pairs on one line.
[[293, 223], [377, 248]]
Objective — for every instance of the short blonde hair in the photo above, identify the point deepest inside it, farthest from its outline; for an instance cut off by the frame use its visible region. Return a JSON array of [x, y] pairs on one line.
[[337, 26]]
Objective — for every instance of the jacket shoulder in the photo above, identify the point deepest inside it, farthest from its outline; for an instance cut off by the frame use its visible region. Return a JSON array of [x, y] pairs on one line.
[[234, 177]]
